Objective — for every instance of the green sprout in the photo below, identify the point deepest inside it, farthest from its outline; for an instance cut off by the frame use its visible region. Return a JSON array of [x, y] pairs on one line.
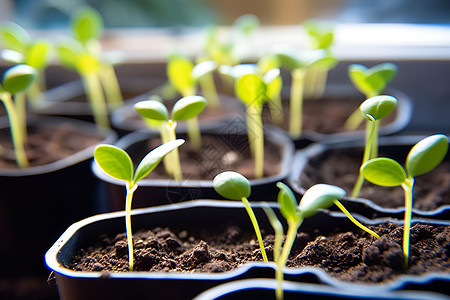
[[421, 159], [156, 112], [373, 109], [15, 82], [371, 82], [321, 36], [118, 164], [299, 64], [20, 48], [83, 54], [235, 186], [319, 196]]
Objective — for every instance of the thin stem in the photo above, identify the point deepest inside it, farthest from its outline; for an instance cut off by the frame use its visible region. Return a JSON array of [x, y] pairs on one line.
[[256, 140], [345, 211], [194, 134], [110, 82], [21, 107], [296, 103], [374, 148], [256, 227], [96, 98], [209, 90], [276, 110], [290, 238], [408, 188], [16, 129], [319, 87], [172, 159], [128, 201]]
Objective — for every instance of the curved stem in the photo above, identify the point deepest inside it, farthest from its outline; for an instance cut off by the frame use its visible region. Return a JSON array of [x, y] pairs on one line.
[[256, 227], [195, 136], [296, 103], [209, 90], [111, 85], [408, 188], [96, 98], [345, 211], [128, 201]]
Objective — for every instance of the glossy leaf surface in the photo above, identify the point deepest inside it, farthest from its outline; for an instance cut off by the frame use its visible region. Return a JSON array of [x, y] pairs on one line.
[[384, 172], [232, 185], [426, 155], [188, 107], [319, 196], [114, 161]]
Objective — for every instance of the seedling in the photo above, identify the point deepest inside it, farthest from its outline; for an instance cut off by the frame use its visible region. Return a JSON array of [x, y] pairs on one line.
[[373, 109], [20, 48], [157, 113], [321, 36], [422, 158], [319, 196], [371, 82], [15, 82], [83, 54], [235, 186], [118, 164], [299, 64]]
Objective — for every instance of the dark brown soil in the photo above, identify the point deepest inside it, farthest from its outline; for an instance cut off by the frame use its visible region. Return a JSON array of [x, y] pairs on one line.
[[46, 144], [340, 168], [217, 155], [349, 256], [327, 115]]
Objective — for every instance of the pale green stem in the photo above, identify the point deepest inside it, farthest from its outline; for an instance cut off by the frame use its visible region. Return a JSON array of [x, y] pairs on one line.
[[250, 131], [209, 90], [276, 110], [20, 98], [194, 134], [256, 227], [408, 188], [128, 201], [374, 150], [345, 211], [172, 159], [356, 118], [16, 129], [322, 76], [111, 85], [256, 137], [310, 81], [96, 98], [370, 129], [296, 103]]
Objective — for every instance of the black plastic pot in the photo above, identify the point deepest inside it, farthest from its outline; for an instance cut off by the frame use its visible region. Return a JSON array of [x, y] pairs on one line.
[[38, 203], [204, 214], [153, 192], [395, 147]]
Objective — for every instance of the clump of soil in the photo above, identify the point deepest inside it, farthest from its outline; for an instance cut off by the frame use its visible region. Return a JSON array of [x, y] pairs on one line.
[[349, 255]]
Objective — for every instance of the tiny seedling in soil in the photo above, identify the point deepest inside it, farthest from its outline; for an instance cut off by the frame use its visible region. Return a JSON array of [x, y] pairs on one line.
[[422, 158], [373, 109], [15, 82], [156, 112], [371, 82], [118, 164], [20, 48], [235, 186], [319, 196], [83, 54], [298, 65]]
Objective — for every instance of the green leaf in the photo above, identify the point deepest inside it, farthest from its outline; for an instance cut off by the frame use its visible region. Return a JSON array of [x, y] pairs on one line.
[[179, 71], [268, 62], [289, 59], [288, 202], [239, 70], [18, 78], [203, 68], [152, 109], [357, 74], [12, 56], [232, 185], [251, 89], [246, 24], [68, 52], [87, 24], [38, 54], [274, 87], [14, 37], [378, 106], [426, 155], [188, 107], [152, 159], [87, 64], [386, 70], [319, 196], [114, 161], [383, 171]]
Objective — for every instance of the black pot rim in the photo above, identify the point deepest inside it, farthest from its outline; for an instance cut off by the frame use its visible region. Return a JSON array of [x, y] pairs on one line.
[[108, 135]]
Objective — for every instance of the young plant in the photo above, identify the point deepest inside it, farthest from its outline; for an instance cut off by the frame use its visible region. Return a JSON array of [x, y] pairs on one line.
[[235, 186], [319, 196], [156, 112], [299, 64], [421, 159], [373, 109], [20, 48], [118, 164], [15, 81], [83, 54], [371, 82], [321, 36]]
